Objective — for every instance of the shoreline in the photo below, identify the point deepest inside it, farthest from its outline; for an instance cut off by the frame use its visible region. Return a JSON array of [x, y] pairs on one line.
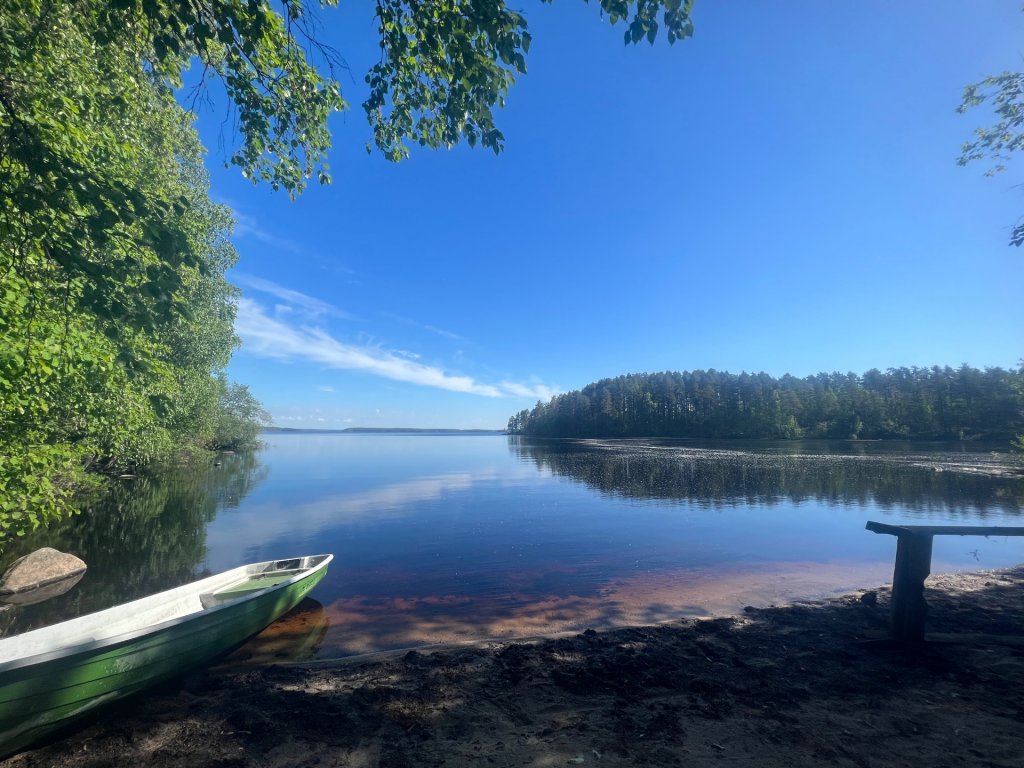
[[806, 684]]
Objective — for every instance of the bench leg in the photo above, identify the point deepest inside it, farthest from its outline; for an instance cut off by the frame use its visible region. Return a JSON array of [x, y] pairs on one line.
[[909, 608]]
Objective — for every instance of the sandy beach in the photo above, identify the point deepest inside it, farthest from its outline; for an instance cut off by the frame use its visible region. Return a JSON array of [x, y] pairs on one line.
[[800, 685]]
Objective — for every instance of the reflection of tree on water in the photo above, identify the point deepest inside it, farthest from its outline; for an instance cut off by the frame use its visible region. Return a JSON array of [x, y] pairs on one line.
[[726, 477], [145, 535]]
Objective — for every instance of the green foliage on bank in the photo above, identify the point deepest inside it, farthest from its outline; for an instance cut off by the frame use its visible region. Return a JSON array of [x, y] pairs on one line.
[[116, 320], [901, 403]]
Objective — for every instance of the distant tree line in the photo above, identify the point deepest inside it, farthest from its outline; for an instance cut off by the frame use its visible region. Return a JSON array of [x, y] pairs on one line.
[[901, 403]]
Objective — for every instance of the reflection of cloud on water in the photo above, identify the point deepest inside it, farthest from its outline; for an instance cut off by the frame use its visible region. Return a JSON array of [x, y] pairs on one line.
[[363, 624], [395, 500], [257, 526]]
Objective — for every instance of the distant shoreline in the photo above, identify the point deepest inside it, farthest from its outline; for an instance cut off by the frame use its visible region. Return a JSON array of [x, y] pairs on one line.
[[382, 430]]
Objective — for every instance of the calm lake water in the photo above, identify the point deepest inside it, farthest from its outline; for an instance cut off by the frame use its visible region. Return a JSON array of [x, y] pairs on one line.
[[441, 538]]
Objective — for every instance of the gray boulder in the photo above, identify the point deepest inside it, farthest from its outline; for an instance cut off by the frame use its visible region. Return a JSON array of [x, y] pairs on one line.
[[39, 576]]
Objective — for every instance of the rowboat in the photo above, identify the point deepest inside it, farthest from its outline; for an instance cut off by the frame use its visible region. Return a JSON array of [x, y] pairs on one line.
[[57, 674]]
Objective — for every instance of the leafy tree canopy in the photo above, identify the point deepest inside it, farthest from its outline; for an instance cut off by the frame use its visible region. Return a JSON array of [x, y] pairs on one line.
[[1005, 94], [444, 66]]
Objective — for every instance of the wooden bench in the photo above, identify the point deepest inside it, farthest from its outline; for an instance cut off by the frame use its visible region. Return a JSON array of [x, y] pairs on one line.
[[914, 563]]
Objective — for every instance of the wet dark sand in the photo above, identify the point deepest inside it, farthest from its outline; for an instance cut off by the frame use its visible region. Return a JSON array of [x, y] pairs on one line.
[[801, 685]]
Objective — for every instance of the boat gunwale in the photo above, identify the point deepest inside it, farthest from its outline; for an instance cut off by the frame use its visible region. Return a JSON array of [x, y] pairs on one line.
[[113, 641]]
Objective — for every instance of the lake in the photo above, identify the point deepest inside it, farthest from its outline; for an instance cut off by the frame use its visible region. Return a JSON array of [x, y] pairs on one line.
[[448, 538]]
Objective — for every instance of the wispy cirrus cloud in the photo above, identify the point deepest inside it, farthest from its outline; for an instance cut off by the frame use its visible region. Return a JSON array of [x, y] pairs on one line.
[[443, 333], [275, 338], [535, 389], [308, 305], [431, 328], [247, 226]]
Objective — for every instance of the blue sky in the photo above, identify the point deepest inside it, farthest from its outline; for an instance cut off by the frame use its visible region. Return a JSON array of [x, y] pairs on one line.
[[779, 193]]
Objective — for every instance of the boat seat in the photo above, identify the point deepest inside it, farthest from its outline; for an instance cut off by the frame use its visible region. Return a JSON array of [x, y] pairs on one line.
[[213, 599], [245, 588]]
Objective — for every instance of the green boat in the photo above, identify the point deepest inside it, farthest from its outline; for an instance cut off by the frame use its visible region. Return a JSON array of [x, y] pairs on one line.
[[54, 675]]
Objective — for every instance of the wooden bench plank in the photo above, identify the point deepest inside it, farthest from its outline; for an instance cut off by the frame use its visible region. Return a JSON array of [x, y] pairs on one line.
[[946, 530]]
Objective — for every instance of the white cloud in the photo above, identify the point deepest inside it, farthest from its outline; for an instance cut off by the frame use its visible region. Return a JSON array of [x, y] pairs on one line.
[[431, 328], [265, 523], [325, 388], [247, 226], [273, 338], [540, 391], [309, 305], [442, 332]]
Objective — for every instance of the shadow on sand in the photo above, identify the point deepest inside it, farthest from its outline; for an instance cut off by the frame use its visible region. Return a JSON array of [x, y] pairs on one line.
[[803, 685]]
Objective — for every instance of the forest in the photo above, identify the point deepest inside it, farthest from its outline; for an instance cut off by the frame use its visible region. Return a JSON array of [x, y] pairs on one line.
[[901, 403]]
